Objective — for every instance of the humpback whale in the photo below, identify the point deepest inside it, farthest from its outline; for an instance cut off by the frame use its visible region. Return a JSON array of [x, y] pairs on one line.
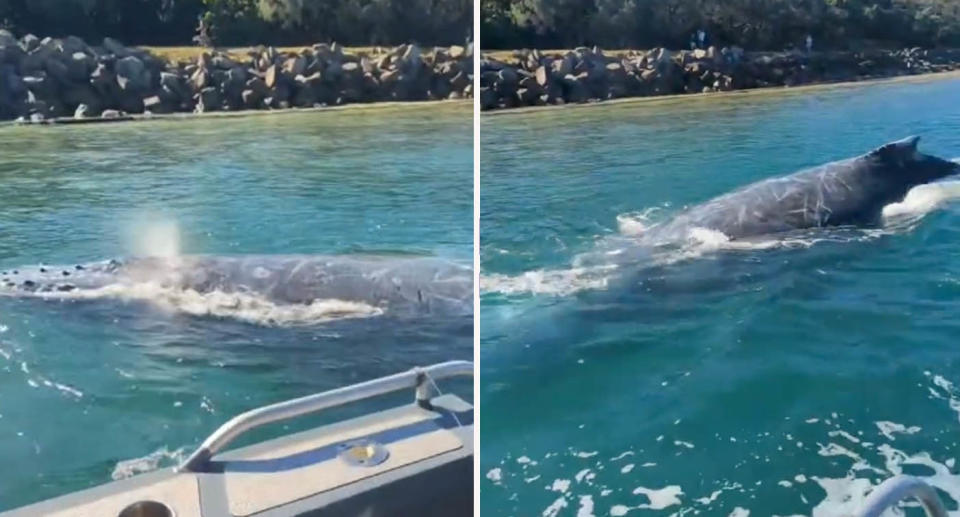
[[399, 285], [850, 192]]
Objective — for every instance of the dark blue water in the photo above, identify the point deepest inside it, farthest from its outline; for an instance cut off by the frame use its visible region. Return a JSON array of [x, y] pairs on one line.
[[778, 381], [85, 385]]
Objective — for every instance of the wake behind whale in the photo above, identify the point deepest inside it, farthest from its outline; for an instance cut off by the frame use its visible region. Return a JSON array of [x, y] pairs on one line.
[[886, 190], [267, 289]]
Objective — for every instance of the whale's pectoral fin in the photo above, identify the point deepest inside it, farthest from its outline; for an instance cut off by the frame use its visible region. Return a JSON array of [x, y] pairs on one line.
[[905, 149]]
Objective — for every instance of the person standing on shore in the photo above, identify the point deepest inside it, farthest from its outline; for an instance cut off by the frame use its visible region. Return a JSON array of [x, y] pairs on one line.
[[809, 43], [702, 38]]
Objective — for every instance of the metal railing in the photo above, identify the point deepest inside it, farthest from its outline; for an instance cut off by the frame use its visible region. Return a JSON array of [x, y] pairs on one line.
[[899, 488], [420, 379]]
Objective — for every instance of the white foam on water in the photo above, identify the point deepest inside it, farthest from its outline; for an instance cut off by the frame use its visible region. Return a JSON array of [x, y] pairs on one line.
[[560, 485], [495, 475], [921, 200], [844, 496], [637, 223], [660, 498], [554, 509], [709, 499], [161, 458], [63, 388], [845, 474], [584, 474], [888, 429], [559, 282], [586, 506], [525, 459], [950, 393], [35, 380], [844, 434], [740, 512], [247, 307]]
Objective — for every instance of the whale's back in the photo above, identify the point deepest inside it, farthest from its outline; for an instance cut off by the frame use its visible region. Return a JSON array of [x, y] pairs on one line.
[[396, 284], [846, 192]]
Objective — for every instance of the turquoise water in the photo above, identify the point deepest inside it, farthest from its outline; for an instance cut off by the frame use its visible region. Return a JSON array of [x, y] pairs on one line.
[[87, 386], [781, 378]]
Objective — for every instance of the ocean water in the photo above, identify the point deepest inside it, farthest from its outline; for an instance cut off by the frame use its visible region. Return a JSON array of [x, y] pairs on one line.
[[775, 377], [104, 388]]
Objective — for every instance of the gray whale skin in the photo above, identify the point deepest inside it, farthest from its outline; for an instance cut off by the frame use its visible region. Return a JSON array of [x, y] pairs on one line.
[[398, 284], [848, 192]]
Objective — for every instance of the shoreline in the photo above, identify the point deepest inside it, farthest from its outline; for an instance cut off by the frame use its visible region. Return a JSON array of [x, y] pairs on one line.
[[752, 92], [142, 117], [536, 79], [68, 81]]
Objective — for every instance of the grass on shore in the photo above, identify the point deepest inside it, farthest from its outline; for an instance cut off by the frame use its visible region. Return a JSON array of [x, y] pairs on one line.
[[175, 54]]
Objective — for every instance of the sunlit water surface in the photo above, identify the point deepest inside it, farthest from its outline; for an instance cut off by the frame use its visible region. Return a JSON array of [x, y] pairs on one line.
[[100, 389], [774, 378]]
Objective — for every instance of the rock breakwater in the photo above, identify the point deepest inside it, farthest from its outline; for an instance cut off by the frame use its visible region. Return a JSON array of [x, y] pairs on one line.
[[43, 79], [536, 78]]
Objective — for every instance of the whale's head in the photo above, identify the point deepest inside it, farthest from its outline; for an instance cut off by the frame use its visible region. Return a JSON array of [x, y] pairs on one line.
[[905, 164]]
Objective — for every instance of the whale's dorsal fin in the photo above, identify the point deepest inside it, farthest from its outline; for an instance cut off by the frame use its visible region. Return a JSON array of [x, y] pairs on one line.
[[904, 149]]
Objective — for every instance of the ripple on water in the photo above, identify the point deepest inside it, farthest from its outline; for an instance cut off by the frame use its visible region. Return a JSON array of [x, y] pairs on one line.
[[863, 453]]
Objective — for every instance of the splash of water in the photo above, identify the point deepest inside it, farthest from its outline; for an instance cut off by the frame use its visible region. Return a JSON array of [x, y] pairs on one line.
[[243, 306], [151, 235], [922, 200]]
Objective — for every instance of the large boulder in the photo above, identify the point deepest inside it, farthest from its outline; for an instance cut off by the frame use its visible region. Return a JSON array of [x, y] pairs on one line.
[[223, 62], [129, 101], [173, 83], [252, 99], [11, 84], [312, 81], [304, 98], [233, 84], [132, 75], [155, 104], [295, 66], [71, 44], [201, 79], [29, 42], [116, 48], [77, 94], [57, 70], [40, 85], [208, 100], [461, 81], [258, 86], [83, 111], [273, 76], [456, 52], [79, 66], [7, 39], [34, 60], [104, 81]]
